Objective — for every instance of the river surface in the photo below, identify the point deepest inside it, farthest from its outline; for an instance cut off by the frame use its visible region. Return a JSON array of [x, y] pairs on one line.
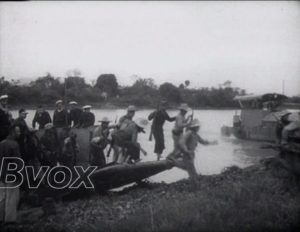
[[209, 159]]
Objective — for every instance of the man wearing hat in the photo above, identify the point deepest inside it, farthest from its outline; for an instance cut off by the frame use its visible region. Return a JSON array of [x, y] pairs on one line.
[[281, 123], [127, 119], [60, 115], [4, 117], [87, 117], [21, 123], [75, 114], [42, 117], [181, 122], [187, 145], [127, 138], [159, 117], [291, 131]]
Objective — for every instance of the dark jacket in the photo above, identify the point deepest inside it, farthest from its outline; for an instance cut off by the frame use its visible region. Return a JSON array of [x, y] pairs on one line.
[[159, 117], [61, 118], [4, 124], [42, 119], [87, 119], [75, 115], [21, 123]]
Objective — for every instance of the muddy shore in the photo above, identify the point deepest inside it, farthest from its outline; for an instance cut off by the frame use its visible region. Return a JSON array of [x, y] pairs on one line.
[[262, 197]]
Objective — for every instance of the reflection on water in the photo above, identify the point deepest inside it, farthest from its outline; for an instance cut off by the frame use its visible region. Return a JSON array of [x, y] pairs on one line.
[[209, 159]]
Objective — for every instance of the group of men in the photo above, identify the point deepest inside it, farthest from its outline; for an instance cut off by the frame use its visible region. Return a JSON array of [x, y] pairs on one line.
[[16, 139], [74, 117]]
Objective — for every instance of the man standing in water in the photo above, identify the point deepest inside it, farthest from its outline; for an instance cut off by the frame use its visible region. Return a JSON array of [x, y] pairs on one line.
[[180, 123], [187, 145], [159, 117]]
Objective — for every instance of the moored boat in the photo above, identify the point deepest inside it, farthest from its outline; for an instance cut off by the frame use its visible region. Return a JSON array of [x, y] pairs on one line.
[[259, 117]]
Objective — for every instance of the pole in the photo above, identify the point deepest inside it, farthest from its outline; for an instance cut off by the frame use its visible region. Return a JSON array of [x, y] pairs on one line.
[[65, 102], [283, 87]]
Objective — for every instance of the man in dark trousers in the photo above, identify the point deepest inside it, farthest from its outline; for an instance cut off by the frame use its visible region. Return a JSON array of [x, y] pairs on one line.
[[4, 117], [87, 117], [42, 117], [60, 115], [75, 114], [159, 117]]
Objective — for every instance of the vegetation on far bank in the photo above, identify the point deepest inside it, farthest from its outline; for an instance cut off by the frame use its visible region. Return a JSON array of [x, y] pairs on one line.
[[106, 92]]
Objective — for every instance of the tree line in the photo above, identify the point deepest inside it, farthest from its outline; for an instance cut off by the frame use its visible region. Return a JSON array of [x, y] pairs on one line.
[[143, 92]]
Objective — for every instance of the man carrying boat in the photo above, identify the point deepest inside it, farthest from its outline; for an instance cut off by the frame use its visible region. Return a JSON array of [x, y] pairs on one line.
[[50, 146], [70, 150], [99, 143], [75, 114], [42, 117], [87, 117], [126, 138], [4, 117], [187, 145], [9, 195], [281, 123], [159, 117], [60, 115], [181, 122], [127, 119]]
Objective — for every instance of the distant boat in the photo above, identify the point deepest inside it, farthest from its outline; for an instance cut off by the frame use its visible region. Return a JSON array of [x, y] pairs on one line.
[[259, 116]]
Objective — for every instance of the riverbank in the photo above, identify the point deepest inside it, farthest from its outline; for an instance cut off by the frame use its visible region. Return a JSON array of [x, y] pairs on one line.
[[262, 197]]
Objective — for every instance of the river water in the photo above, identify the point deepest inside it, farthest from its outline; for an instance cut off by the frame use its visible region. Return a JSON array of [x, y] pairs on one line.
[[209, 159]]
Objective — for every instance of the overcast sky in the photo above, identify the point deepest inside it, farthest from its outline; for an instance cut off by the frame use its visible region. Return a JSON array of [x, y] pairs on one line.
[[256, 45]]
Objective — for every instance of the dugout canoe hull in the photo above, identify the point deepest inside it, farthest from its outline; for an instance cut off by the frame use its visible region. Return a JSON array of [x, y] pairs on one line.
[[109, 177], [122, 174]]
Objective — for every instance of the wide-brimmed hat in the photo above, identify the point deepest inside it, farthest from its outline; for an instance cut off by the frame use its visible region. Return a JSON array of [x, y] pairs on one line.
[[131, 108], [48, 126], [141, 123], [195, 123], [73, 103], [22, 111], [184, 107], [104, 119], [2, 97], [87, 107], [58, 102]]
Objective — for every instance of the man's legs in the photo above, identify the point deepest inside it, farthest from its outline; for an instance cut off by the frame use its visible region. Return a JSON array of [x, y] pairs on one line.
[[190, 168], [9, 200], [176, 153]]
